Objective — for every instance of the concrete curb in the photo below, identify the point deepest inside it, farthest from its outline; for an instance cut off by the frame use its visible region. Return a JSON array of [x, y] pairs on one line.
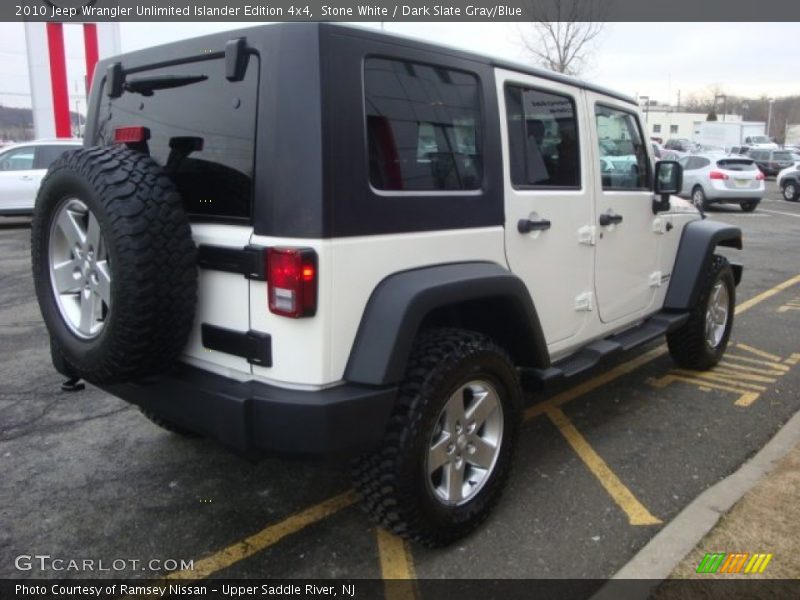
[[661, 555]]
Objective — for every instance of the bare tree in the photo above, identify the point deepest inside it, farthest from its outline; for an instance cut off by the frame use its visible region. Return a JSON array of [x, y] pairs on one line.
[[562, 33]]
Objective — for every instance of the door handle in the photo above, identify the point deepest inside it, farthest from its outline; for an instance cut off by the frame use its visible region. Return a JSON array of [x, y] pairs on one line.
[[610, 219], [526, 225]]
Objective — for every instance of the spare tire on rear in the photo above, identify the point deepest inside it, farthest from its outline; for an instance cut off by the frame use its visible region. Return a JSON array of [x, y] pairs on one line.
[[114, 264]]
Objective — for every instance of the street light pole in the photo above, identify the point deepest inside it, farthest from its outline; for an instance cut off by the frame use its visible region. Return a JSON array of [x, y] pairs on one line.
[[769, 117]]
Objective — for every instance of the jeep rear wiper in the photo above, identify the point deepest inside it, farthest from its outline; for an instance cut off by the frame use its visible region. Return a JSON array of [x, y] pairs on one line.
[[147, 85]]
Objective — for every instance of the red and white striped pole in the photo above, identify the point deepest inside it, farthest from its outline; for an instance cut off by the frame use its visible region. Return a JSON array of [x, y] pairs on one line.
[[47, 69]]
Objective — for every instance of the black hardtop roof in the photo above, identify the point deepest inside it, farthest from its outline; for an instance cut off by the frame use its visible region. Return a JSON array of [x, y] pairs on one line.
[[175, 50]]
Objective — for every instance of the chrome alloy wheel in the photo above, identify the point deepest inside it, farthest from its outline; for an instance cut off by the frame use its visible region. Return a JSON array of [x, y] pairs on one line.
[[717, 314], [465, 444], [79, 270]]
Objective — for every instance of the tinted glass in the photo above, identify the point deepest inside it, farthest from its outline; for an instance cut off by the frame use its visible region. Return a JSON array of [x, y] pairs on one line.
[[46, 155], [736, 164], [17, 160], [782, 156], [623, 157], [423, 126], [202, 133], [543, 139]]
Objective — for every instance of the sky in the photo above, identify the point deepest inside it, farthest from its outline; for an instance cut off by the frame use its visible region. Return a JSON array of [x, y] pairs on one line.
[[657, 60]]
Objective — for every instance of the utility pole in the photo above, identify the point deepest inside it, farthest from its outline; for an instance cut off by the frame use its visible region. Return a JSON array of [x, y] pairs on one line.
[[769, 116]]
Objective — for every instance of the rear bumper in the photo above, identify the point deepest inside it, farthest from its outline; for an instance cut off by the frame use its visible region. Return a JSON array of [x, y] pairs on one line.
[[254, 418], [721, 193]]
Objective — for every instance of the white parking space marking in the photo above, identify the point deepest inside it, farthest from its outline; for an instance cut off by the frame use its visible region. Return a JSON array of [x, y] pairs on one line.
[[778, 212]]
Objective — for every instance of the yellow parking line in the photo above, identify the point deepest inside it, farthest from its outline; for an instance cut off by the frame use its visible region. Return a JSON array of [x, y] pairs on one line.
[[755, 361], [767, 294], [265, 538], [637, 513], [714, 376], [274, 533], [730, 367], [397, 566], [757, 352]]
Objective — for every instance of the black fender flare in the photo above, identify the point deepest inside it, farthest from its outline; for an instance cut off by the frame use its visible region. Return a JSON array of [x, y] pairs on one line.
[[399, 304], [698, 242]]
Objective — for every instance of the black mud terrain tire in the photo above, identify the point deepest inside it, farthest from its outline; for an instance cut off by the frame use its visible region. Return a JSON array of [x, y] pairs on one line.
[[150, 270], [168, 425], [690, 346], [396, 486]]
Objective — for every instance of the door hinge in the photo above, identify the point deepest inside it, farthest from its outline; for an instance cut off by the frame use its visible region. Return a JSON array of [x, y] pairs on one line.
[[655, 279], [584, 302], [587, 235]]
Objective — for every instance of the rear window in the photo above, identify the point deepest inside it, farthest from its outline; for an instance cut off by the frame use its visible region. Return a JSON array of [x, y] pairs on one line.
[[202, 132], [736, 164], [423, 126]]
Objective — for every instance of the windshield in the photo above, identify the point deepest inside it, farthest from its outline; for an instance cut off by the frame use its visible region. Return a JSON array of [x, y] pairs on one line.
[[759, 139]]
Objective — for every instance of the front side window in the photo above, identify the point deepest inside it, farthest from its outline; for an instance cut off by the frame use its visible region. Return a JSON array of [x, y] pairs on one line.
[[543, 139], [20, 159], [623, 156], [423, 127]]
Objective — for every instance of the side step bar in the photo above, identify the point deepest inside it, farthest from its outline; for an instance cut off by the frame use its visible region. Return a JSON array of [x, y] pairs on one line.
[[654, 327]]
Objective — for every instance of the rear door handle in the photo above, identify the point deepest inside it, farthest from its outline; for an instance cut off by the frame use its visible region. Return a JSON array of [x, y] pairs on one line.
[[610, 219], [526, 225]]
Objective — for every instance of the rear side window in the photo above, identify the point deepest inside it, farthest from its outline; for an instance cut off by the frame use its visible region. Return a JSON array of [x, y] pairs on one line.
[[423, 127], [202, 131], [543, 139], [736, 164], [782, 156], [623, 156], [46, 155]]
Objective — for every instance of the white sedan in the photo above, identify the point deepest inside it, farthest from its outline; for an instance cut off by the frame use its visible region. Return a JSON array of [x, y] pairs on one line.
[[22, 168]]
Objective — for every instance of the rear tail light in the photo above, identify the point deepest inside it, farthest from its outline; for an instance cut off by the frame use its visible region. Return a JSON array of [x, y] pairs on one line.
[[292, 281], [131, 135], [760, 176], [717, 175]]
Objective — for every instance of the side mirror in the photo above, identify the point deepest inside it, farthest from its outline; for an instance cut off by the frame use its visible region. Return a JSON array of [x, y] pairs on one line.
[[668, 180]]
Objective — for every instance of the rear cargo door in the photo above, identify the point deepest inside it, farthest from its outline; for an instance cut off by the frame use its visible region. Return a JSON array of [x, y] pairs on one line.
[[200, 127]]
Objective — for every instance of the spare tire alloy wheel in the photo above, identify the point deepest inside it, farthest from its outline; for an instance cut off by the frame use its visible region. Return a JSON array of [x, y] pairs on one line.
[[114, 265], [80, 274]]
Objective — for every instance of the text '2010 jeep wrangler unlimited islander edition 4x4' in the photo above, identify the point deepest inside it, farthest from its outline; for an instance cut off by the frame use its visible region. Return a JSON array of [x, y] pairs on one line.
[[313, 239]]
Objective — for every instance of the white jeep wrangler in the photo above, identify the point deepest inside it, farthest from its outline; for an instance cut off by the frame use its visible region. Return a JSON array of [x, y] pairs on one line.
[[309, 239]]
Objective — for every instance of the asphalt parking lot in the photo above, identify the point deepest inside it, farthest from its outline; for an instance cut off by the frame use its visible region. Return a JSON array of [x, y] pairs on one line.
[[604, 462]]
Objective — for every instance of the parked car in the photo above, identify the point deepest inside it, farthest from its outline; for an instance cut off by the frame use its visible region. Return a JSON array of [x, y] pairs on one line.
[[770, 161], [22, 167], [739, 150], [789, 183], [672, 154], [713, 179], [779, 177], [760, 141], [680, 144], [385, 259]]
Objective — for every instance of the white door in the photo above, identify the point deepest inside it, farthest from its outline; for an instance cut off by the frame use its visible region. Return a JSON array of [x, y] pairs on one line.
[[626, 259], [19, 181], [548, 203]]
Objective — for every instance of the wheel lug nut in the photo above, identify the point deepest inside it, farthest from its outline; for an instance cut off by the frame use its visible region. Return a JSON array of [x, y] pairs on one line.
[[471, 448]]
